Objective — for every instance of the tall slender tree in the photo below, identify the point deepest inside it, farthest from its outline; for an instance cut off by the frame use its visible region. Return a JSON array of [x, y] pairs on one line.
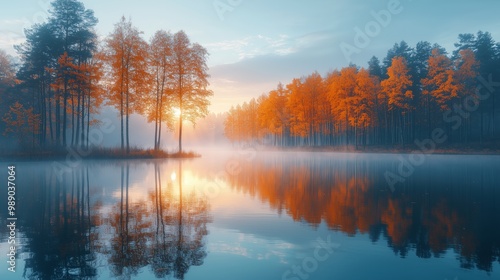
[[397, 87], [160, 63], [190, 78], [342, 97], [363, 112], [439, 87], [126, 54]]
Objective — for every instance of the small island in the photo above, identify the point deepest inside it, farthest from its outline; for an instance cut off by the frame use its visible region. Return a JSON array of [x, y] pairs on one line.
[[51, 96]]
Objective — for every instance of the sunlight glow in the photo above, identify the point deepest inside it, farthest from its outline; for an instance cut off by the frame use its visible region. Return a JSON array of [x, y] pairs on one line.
[[177, 112]]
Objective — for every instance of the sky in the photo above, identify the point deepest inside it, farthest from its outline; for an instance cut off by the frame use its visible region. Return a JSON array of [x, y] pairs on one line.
[[254, 45]]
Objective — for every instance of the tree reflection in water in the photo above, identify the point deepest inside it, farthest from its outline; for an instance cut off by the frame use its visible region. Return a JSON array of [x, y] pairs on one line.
[[60, 238], [131, 231], [453, 208], [165, 232]]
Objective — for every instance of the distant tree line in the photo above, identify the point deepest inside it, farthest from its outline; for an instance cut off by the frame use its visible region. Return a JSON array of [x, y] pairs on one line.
[[404, 98], [65, 75]]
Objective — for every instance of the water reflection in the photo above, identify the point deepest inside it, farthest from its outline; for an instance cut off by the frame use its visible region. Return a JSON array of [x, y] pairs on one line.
[[181, 223], [71, 231], [446, 204], [166, 232], [58, 228], [150, 219], [131, 229]]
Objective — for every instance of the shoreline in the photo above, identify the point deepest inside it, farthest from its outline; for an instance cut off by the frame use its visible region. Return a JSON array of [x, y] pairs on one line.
[[116, 154], [98, 154], [383, 150]]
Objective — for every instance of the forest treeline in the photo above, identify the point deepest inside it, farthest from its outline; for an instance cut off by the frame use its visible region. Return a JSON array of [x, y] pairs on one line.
[[66, 74], [394, 102]]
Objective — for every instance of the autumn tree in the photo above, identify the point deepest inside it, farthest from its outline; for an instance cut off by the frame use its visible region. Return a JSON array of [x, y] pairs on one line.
[[439, 87], [342, 97], [190, 80], [161, 69], [230, 128], [126, 55], [251, 119], [317, 110], [307, 111], [439, 84], [64, 85], [397, 87], [297, 107], [23, 123], [365, 92], [273, 114], [233, 124]]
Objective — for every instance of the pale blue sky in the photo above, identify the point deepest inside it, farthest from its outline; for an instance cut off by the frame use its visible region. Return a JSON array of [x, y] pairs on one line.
[[260, 43]]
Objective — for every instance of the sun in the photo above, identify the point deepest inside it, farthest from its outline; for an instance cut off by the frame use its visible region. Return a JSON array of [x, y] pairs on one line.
[[177, 112]]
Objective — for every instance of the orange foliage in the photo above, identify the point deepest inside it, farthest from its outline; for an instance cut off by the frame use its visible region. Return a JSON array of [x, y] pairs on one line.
[[342, 94], [440, 83], [397, 86], [466, 73], [273, 114]]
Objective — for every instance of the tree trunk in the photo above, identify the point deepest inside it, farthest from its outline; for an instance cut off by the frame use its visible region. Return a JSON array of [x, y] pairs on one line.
[[161, 113], [180, 115], [50, 120], [156, 115], [127, 115], [156, 128], [65, 101], [58, 119], [180, 132], [88, 119], [82, 135], [72, 120], [121, 122]]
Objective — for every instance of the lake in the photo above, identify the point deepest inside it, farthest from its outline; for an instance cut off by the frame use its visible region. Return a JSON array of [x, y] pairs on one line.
[[257, 215]]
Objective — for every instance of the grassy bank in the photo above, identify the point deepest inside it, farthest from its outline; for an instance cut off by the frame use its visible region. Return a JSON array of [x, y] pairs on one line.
[[94, 153]]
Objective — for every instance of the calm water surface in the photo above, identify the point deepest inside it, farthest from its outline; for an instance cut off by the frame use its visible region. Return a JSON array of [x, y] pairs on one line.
[[257, 216]]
